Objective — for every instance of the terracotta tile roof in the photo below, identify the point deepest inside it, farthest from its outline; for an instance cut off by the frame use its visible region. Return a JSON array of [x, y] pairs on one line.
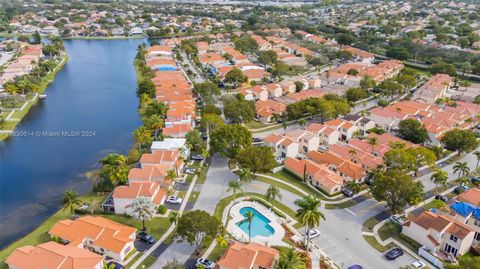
[[318, 172], [472, 196], [103, 232], [269, 107], [343, 166], [140, 189], [150, 172], [358, 52], [305, 94], [160, 157], [53, 255], [177, 130], [245, 256]]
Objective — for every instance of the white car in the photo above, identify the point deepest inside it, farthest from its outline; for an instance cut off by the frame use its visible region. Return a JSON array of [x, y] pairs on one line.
[[313, 233], [174, 200], [205, 263], [190, 171], [417, 265]]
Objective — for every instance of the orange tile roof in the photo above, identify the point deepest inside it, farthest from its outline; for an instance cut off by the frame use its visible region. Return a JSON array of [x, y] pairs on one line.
[[343, 166], [104, 233], [140, 189], [177, 130], [150, 172], [251, 255], [269, 107], [472, 196], [53, 255], [160, 157], [318, 172]]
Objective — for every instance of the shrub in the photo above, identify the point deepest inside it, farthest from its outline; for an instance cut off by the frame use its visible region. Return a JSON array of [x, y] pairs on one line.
[[162, 209]]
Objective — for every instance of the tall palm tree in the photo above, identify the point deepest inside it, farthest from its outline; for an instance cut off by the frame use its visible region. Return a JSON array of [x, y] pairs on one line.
[[235, 187], [142, 136], [245, 175], [248, 219], [70, 199], [171, 175], [143, 210], [174, 216], [284, 125], [114, 168], [352, 153], [108, 266], [461, 168], [145, 100], [221, 240], [272, 193], [439, 178], [373, 141], [308, 214], [290, 259], [463, 181], [155, 122], [354, 186], [477, 154]]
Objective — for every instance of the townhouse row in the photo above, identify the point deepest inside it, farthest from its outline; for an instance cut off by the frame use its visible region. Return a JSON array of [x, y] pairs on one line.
[[29, 57], [449, 233]]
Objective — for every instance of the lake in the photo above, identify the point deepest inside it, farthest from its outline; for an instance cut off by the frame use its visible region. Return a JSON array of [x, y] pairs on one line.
[[93, 95]]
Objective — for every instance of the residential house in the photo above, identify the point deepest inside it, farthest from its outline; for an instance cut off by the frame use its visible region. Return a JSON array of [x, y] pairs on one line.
[[439, 233], [318, 175], [434, 88], [386, 119], [362, 123], [179, 144], [306, 140], [283, 147], [328, 135], [266, 109], [123, 196], [345, 128], [53, 255], [97, 234], [345, 168], [251, 256], [360, 55]]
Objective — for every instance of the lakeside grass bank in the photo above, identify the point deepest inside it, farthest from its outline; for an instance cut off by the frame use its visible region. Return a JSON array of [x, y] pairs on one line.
[[44, 82]]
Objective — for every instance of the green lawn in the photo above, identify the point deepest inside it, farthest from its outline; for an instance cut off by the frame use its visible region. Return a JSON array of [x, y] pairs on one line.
[[346, 204], [391, 230], [369, 224], [273, 127], [147, 262], [256, 125], [156, 226], [279, 185], [371, 240], [216, 253], [40, 235]]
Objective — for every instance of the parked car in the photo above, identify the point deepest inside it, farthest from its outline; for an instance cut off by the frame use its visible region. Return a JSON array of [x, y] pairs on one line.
[[441, 198], [190, 171], [475, 180], [174, 200], [205, 263], [369, 180], [145, 237], [116, 265], [204, 136], [280, 121], [313, 233], [460, 189], [197, 157], [417, 265], [393, 254], [397, 219], [348, 192], [355, 266], [257, 140]]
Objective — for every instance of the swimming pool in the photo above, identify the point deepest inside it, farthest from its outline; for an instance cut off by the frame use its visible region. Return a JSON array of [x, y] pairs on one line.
[[260, 224]]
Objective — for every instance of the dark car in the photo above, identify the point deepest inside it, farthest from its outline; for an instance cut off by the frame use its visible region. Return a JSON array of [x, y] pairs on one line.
[[280, 121], [204, 136], [116, 265], [369, 180], [475, 180], [145, 237], [257, 140], [441, 198], [355, 266], [348, 192], [394, 253], [460, 189]]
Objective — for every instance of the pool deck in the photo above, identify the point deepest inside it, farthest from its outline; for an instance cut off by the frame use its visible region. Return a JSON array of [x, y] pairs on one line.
[[275, 222]]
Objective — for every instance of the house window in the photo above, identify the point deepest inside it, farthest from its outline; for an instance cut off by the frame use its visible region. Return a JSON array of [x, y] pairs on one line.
[[450, 249], [477, 236], [453, 238], [127, 250], [476, 223]]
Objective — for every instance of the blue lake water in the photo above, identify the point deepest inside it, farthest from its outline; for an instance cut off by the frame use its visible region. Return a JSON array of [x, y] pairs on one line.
[[94, 92], [260, 224]]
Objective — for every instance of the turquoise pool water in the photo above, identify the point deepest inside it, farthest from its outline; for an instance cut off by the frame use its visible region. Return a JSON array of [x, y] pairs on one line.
[[260, 223]]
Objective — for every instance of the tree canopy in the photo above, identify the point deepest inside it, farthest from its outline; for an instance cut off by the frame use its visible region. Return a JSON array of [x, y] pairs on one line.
[[412, 130], [195, 226], [460, 140], [238, 110], [257, 159], [230, 140]]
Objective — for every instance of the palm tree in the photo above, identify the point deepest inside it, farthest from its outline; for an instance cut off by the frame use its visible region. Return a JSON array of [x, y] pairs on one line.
[[248, 218], [373, 141], [70, 199], [308, 214], [245, 175], [235, 187], [108, 266], [145, 100], [352, 153], [354, 186], [155, 122], [302, 122], [3, 122], [171, 175], [143, 210], [477, 154], [463, 181], [461, 168], [174, 216], [439, 178], [221, 240], [290, 259], [142, 136], [114, 168], [272, 193]]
